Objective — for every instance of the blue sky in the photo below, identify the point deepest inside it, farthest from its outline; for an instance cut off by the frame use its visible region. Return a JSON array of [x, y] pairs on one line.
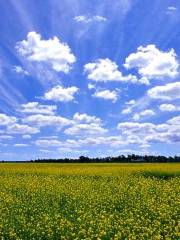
[[92, 78]]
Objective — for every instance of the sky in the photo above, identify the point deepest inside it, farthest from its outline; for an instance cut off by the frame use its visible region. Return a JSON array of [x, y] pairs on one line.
[[93, 78]]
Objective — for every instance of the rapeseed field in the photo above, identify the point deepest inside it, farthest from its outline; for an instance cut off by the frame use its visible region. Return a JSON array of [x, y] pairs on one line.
[[89, 201]]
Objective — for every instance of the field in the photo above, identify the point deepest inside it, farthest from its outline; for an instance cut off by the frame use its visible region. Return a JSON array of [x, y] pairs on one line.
[[89, 201]]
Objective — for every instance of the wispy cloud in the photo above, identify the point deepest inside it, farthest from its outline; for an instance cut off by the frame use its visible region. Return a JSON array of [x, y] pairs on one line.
[[87, 19]]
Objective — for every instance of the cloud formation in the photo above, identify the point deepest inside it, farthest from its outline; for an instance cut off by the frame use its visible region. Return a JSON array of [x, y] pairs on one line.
[[106, 95], [60, 94], [40, 120], [6, 120], [152, 63], [144, 113], [104, 70], [85, 125], [169, 91], [21, 129], [52, 52], [167, 107], [35, 108]]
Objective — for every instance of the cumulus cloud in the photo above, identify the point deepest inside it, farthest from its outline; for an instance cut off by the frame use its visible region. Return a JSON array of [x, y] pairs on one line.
[[104, 70], [85, 129], [84, 125], [6, 120], [21, 129], [106, 95], [133, 127], [110, 141], [175, 121], [60, 94], [169, 91], [166, 107], [84, 118], [152, 63], [35, 107], [46, 120], [145, 133], [48, 143], [86, 19], [145, 113], [52, 52]]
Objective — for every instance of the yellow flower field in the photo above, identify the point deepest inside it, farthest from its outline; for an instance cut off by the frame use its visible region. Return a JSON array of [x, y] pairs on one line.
[[89, 201]]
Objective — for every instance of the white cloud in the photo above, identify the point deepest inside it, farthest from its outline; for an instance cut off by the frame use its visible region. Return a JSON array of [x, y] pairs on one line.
[[104, 70], [98, 18], [21, 129], [136, 117], [21, 145], [91, 86], [60, 94], [20, 70], [145, 133], [46, 151], [131, 102], [7, 120], [52, 52], [84, 125], [129, 106], [35, 107], [174, 121], [86, 19], [26, 136], [48, 143], [152, 63], [84, 118], [6, 137], [85, 129], [169, 91], [131, 133], [45, 120], [172, 8], [126, 110], [133, 127], [145, 113], [106, 95], [74, 151], [49, 137], [110, 141], [169, 107]]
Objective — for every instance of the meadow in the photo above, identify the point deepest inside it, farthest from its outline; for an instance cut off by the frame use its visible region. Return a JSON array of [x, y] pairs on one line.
[[89, 201]]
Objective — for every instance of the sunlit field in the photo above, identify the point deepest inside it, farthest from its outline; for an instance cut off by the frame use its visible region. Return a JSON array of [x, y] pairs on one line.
[[89, 201]]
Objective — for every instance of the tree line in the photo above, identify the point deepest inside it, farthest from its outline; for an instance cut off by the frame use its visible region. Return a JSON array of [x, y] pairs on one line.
[[133, 158]]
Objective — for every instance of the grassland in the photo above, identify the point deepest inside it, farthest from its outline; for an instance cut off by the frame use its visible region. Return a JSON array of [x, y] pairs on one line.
[[89, 201]]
